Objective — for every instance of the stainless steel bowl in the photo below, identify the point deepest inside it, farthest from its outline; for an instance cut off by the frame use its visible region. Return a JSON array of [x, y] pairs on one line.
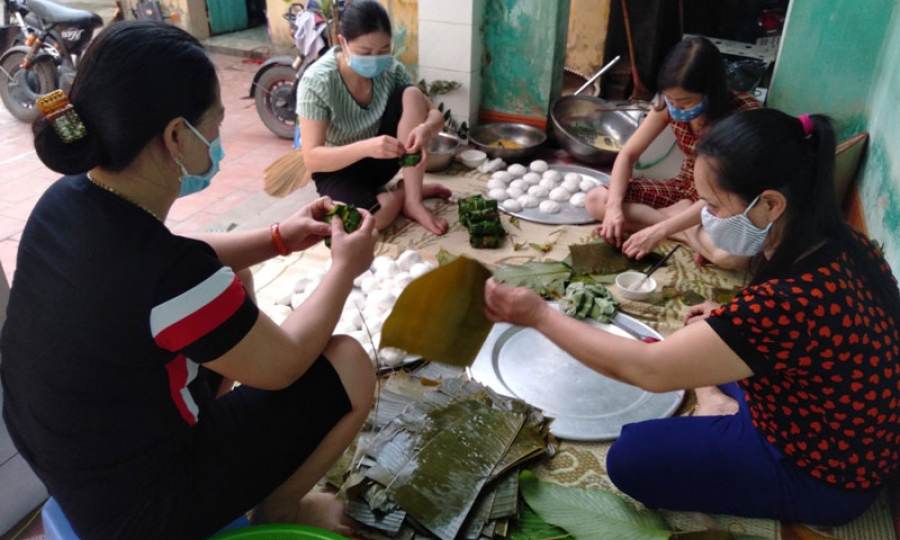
[[441, 150], [593, 129], [530, 138]]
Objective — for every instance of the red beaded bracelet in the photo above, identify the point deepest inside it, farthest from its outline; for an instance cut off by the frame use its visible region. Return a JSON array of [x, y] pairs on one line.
[[277, 241]]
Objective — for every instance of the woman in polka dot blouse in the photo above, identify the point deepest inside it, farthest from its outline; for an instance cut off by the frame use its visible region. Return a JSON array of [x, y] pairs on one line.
[[796, 378]]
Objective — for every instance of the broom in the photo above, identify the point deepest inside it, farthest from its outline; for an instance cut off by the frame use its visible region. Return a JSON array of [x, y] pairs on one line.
[[286, 174], [639, 92]]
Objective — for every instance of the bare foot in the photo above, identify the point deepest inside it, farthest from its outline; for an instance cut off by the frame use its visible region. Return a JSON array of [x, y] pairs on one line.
[[435, 190], [700, 259], [324, 510], [713, 402], [418, 212]]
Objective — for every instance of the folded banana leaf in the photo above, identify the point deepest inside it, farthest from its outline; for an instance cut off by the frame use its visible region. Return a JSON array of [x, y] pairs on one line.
[[349, 215], [491, 241], [440, 316], [410, 160], [545, 278]]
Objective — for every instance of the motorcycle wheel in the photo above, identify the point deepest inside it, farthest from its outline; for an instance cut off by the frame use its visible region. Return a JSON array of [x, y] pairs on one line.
[[19, 88], [275, 100]]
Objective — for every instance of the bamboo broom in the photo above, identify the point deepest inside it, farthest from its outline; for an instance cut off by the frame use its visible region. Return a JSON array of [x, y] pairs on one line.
[[286, 174]]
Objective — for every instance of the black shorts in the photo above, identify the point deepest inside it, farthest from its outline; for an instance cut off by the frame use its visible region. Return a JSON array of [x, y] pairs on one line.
[[245, 445], [360, 182]]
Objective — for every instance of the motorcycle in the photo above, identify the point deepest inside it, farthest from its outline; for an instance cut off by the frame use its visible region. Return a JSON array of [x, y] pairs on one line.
[[274, 86], [43, 44]]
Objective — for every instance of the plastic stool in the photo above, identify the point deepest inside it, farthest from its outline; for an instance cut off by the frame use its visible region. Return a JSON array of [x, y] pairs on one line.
[[56, 526]]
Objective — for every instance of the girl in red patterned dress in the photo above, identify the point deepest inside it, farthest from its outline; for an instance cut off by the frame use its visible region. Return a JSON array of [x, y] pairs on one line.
[[797, 377], [694, 94]]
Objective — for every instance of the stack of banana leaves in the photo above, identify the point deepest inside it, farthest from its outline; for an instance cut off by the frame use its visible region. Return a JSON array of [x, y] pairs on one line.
[[444, 460], [481, 218]]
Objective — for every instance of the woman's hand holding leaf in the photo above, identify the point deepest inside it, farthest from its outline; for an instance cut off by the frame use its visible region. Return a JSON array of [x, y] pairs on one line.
[[515, 305], [353, 252]]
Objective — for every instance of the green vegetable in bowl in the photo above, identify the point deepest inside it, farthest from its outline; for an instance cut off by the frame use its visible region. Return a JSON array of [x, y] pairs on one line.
[[410, 160], [349, 215]]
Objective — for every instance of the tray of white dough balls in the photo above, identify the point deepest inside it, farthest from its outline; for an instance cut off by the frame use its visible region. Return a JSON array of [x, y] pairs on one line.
[[544, 193], [370, 302]]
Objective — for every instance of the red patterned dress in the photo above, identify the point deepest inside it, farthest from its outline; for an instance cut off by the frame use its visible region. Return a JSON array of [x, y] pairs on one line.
[[661, 193]]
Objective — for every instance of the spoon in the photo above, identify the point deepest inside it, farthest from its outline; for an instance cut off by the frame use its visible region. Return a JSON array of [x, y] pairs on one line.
[[640, 283]]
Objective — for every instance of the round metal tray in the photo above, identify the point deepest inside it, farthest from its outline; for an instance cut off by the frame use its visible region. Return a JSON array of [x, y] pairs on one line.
[[568, 214], [586, 406]]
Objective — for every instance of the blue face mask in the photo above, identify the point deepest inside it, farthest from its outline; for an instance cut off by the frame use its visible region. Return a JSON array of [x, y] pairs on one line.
[[686, 115], [369, 66], [192, 183]]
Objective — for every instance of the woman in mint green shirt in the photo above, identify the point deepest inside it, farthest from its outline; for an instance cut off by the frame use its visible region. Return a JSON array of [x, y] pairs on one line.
[[359, 112]]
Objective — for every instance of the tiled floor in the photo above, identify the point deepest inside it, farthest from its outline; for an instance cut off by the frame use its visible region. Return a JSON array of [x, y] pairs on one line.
[[249, 148]]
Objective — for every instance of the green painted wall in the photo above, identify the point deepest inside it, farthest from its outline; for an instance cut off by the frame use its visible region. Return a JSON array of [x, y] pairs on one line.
[[524, 55], [839, 57]]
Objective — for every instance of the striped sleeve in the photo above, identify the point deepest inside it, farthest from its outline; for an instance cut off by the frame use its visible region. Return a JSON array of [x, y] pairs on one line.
[[311, 103], [206, 319]]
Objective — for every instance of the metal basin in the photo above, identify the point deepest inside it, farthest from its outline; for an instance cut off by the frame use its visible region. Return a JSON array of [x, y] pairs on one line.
[[593, 130], [528, 139], [441, 150]]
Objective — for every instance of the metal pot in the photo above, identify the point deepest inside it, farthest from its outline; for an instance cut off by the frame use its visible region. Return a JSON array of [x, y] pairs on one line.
[[593, 130], [484, 137]]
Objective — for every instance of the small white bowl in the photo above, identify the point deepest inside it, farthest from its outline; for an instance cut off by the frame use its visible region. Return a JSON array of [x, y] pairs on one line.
[[626, 280], [472, 158]]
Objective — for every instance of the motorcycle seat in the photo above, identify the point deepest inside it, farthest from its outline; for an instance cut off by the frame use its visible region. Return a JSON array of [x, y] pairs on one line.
[[53, 13]]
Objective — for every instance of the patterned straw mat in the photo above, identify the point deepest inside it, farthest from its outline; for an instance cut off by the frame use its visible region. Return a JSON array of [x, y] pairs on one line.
[[576, 463]]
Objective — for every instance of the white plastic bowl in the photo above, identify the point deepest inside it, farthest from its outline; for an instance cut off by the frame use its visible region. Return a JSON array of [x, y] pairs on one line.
[[626, 281], [472, 158]]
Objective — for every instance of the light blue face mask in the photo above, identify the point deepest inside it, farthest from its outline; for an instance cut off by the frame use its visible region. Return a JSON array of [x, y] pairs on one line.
[[686, 115], [192, 183], [369, 66]]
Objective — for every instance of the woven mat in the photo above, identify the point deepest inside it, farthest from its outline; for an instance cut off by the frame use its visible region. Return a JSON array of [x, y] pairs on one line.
[[576, 463]]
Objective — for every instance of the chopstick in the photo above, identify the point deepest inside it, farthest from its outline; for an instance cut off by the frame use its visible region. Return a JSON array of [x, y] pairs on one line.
[[637, 286]]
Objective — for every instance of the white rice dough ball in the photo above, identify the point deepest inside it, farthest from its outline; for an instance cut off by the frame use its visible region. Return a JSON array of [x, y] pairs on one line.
[[351, 316], [371, 314], [357, 282], [376, 325], [538, 191], [503, 176], [355, 300], [403, 279], [528, 201], [552, 175], [560, 194], [519, 184], [391, 357], [370, 285], [539, 166], [495, 184], [284, 299], [301, 284], [512, 205], [514, 193], [498, 194], [387, 271], [578, 199], [420, 269], [344, 328], [407, 259], [549, 207], [574, 177], [547, 184], [587, 185], [516, 170], [360, 336], [311, 286], [531, 178], [571, 185], [381, 260], [386, 284], [315, 274]]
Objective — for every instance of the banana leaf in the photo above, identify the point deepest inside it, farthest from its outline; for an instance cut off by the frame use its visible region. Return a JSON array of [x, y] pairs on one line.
[[491, 241], [600, 258], [440, 472], [591, 514], [440, 316], [548, 279], [350, 217], [530, 526]]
